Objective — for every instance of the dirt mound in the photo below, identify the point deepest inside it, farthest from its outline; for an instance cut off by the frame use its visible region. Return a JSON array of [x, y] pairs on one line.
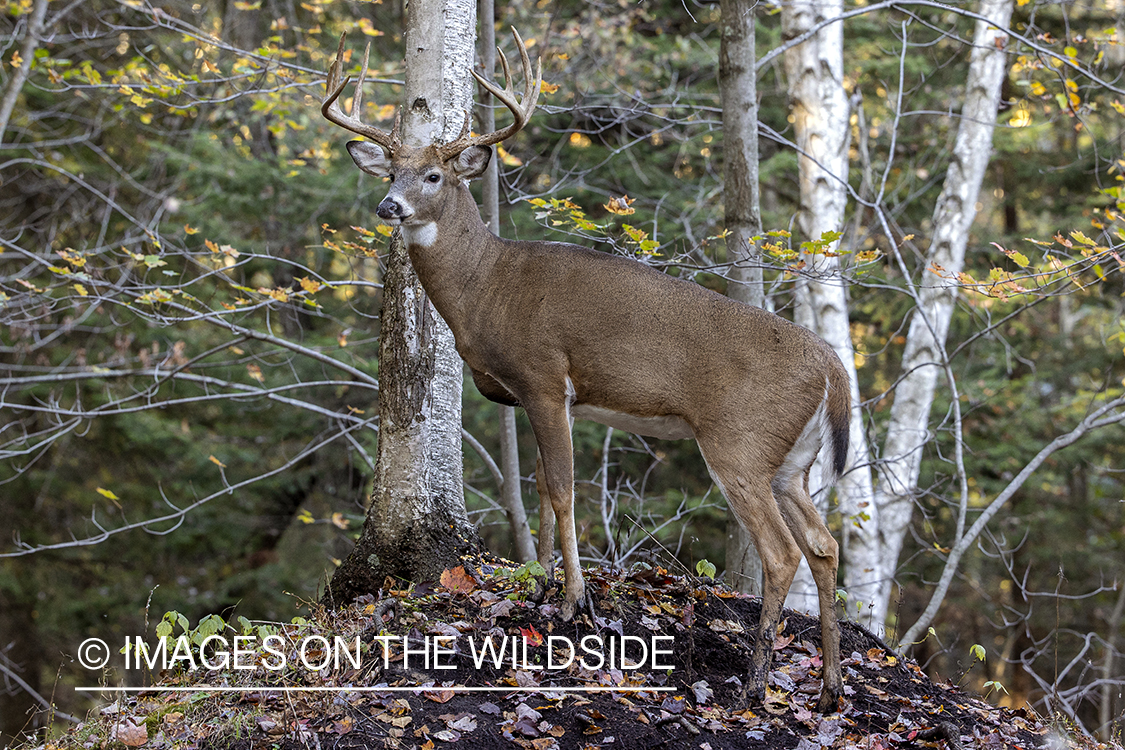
[[472, 662]]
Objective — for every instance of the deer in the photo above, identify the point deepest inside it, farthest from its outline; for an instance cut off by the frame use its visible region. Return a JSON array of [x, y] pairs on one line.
[[567, 332]]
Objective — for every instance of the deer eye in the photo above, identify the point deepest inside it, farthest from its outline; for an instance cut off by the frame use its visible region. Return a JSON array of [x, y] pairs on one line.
[[434, 177]]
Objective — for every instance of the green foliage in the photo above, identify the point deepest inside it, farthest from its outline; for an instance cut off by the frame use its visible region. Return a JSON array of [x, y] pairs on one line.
[[705, 569]]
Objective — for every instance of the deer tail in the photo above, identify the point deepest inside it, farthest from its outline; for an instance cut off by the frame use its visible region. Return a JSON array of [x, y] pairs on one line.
[[839, 402]]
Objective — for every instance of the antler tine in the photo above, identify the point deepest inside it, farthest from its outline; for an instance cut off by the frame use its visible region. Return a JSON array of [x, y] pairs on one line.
[[521, 108], [357, 98], [332, 112]]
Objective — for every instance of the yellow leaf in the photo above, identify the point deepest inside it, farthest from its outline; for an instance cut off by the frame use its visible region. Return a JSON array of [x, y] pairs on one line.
[[507, 159], [305, 517], [81, 290], [366, 27], [217, 462], [1038, 89], [621, 206], [255, 372], [1078, 236], [190, 230], [339, 521], [547, 88], [1118, 107], [108, 494], [310, 285]]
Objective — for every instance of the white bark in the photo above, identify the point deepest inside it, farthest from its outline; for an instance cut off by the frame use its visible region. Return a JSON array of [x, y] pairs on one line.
[[35, 25], [872, 559], [819, 107], [417, 524], [440, 40]]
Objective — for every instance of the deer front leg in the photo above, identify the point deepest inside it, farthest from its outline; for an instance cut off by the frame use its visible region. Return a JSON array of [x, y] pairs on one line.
[[546, 546], [555, 480]]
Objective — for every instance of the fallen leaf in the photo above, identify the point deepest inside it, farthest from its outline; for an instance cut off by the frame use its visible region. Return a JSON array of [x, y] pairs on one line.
[[130, 734], [457, 580]]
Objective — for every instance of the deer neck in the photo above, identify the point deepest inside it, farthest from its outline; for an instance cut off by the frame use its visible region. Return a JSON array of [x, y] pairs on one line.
[[451, 255]]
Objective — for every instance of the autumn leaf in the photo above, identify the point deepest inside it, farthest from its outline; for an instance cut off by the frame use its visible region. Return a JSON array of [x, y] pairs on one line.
[[531, 636], [217, 462], [130, 734], [255, 372], [310, 285], [621, 206], [108, 494], [458, 581]]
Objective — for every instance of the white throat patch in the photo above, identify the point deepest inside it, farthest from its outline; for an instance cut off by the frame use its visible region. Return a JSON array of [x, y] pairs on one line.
[[424, 235]]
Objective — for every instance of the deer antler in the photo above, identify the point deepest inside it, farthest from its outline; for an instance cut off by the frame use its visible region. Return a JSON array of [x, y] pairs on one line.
[[521, 108], [330, 107]]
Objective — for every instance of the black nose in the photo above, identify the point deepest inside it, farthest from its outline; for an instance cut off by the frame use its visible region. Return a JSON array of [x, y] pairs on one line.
[[388, 209]]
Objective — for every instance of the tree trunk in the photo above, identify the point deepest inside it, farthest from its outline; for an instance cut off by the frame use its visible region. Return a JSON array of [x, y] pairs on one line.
[[819, 106], [417, 525], [742, 218], [11, 91], [872, 559], [511, 498]]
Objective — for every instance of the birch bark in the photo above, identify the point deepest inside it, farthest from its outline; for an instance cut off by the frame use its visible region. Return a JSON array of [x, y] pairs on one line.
[[819, 112], [872, 558], [416, 525]]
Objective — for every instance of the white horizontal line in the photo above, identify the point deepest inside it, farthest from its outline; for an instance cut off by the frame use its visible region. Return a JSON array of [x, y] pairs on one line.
[[431, 689]]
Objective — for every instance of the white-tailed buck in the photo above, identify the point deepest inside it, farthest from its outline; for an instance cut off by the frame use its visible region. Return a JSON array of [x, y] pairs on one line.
[[567, 332]]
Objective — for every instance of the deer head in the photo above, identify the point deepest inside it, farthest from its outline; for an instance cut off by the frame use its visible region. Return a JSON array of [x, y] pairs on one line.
[[422, 177]]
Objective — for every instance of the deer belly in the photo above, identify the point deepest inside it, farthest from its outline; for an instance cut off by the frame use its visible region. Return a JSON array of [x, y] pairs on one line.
[[666, 427]]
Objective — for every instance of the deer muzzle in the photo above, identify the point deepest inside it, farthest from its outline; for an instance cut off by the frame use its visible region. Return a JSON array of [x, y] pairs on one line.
[[391, 210]]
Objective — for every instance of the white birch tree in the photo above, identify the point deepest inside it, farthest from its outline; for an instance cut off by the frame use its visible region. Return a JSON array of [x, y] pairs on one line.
[[416, 524], [819, 112], [872, 554]]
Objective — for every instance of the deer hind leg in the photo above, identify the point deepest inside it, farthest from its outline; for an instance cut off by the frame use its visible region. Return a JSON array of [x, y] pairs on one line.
[[554, 478], [822, 552], [745, 483]]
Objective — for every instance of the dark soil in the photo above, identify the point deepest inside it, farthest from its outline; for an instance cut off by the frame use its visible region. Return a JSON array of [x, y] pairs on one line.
[[708, 631]]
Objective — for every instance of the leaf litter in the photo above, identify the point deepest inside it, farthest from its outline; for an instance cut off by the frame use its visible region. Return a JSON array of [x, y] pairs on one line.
[[708, 631]]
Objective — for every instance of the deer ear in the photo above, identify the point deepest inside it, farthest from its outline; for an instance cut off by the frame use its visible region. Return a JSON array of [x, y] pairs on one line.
[[370, 157], [471, 162]]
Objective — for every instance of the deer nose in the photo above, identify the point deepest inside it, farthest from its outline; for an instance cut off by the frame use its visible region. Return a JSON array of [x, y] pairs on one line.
[[389, 209]]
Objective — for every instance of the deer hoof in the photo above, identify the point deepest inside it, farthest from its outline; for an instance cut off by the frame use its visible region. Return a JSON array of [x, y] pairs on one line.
[[829, 702], [571, 608], [750, 694]]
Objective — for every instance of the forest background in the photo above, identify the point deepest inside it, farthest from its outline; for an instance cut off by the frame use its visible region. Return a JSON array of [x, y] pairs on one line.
[[191, 276]]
